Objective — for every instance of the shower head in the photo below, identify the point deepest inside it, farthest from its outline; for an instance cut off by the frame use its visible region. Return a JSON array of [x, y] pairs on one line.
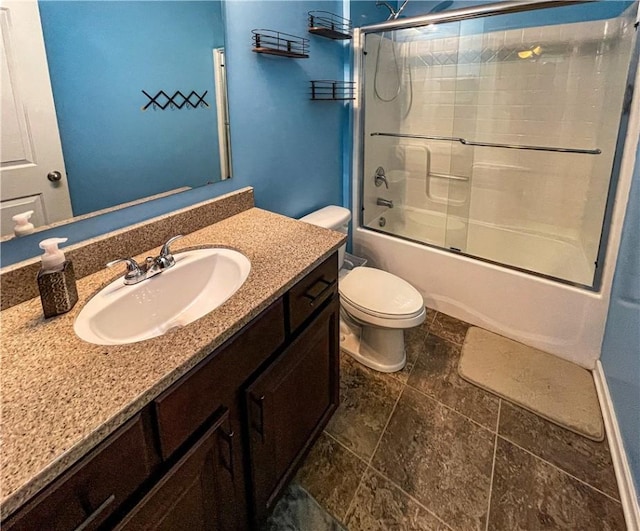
[[393, 14]]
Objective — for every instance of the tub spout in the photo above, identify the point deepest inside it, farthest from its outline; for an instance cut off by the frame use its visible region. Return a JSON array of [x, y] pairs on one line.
[[384, 202]]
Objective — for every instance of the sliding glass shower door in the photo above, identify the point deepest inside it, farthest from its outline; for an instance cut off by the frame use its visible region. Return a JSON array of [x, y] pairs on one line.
[[402, 96], [495, 136]]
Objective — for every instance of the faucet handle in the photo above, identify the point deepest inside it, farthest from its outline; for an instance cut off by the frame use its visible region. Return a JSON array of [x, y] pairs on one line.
[[379, 178], [166, 258], [134, 272]]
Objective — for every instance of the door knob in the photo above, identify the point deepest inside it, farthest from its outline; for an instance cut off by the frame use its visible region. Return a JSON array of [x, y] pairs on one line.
[[54, 176]]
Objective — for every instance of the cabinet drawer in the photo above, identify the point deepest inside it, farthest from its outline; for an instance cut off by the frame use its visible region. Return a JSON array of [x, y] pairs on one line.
[[186, 406], [95, 487], [314, 289]]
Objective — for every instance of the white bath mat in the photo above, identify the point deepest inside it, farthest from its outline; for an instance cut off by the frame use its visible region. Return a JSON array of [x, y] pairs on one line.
[[544, 384]]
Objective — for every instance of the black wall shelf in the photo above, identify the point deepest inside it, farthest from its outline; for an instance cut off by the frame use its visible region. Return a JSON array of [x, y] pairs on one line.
[[279, 43], [332, 90], [330, 25]]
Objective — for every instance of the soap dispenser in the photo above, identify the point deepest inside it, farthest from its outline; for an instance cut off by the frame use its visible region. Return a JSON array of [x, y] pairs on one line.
[[56, 279], [23, 225]]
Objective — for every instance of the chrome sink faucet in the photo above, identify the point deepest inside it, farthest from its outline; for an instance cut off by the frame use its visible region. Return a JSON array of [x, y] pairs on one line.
[[151, 266], [165, 259]]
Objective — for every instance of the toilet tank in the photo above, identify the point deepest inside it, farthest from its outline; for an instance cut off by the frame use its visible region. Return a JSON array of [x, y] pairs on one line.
[[331, 217]]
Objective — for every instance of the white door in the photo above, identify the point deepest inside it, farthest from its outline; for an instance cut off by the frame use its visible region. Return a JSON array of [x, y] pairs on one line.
[[30, 148]]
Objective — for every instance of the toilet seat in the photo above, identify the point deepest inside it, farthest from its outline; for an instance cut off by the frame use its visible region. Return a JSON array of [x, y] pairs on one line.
[[380, 298]]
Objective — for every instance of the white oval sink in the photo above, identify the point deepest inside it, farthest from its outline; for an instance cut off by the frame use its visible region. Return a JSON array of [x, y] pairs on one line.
[[200, 281]]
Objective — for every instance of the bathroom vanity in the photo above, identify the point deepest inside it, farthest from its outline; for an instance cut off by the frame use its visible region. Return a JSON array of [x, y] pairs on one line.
[[206, 438]]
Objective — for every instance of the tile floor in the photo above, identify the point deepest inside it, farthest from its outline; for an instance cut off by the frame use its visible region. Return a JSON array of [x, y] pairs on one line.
[[422, 449]]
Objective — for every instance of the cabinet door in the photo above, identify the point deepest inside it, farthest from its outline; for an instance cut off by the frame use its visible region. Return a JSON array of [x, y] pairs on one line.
[[187, 405], [197, 493], [290, 403]]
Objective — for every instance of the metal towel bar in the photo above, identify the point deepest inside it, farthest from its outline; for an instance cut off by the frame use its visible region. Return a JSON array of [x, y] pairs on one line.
[[491, 144]]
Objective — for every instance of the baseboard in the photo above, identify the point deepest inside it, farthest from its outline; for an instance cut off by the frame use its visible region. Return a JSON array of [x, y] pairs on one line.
[[628, 495]]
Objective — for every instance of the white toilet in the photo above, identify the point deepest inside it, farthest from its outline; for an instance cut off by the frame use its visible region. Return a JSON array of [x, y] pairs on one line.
[[376, 306]]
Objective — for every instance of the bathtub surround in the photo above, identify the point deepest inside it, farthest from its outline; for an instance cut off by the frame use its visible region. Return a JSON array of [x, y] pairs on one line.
[[546, 385], [538, 211], [601, 10]]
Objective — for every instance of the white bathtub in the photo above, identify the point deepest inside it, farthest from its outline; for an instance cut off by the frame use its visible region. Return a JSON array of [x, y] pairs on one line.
[[557, 318], [550, 256]]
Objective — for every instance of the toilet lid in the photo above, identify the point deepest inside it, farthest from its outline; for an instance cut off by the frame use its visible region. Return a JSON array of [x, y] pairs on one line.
[[380, 293]]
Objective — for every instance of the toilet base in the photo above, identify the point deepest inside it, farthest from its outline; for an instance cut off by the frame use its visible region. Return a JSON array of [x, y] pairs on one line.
[[380, 349]]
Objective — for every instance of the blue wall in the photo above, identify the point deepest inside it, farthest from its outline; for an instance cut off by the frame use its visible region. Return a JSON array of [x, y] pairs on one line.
[[284, 145], [621, 345], [101, 55], [365, 12]]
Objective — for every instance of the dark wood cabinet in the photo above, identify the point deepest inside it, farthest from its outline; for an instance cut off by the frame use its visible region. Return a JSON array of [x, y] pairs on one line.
[[97, 486], [197, 493], [187, 404], [215, 449], [289, 404]]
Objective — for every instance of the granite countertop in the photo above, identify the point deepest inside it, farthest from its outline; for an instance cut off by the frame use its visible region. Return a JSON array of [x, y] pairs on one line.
[[61, 396]]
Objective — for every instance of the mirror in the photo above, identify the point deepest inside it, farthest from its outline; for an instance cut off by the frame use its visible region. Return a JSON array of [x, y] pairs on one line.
[[140, 102]]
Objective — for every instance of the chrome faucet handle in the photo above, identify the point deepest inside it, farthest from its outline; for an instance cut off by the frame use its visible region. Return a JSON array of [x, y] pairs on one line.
[[166, 259], [380, 178], [135, 273]]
